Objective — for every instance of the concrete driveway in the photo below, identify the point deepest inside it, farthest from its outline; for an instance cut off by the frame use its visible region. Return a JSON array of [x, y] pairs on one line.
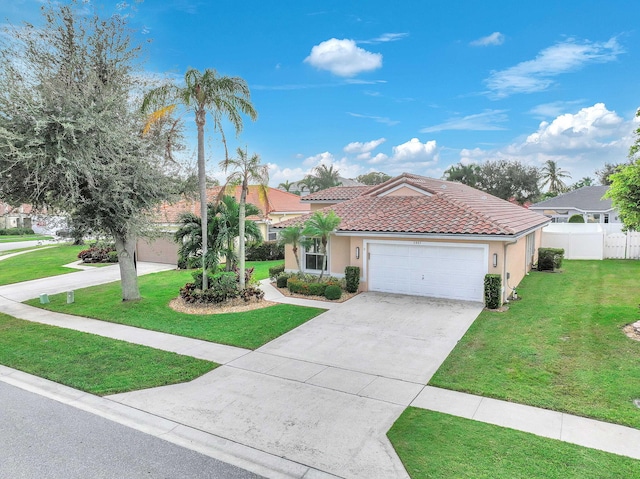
[[326, 393]]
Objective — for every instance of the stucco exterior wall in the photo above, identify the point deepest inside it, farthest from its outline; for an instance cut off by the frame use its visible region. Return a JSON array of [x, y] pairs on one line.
[[517, 265], [405, 191]]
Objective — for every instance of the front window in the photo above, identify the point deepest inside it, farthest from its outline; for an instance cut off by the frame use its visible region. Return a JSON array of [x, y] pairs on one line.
[[593, 218], [312, 256]]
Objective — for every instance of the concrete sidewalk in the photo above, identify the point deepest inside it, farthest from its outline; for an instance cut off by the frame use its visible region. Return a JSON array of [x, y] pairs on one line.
[[295, 408], [621, 440]]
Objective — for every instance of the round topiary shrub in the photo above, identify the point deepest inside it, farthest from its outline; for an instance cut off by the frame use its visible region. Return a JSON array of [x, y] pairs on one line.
[[576, 219], [333, 292]]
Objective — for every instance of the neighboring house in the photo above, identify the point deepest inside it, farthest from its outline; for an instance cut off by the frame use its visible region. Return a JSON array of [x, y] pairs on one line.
[[420, 236], [586, 201], [15, 216], [280, 206]]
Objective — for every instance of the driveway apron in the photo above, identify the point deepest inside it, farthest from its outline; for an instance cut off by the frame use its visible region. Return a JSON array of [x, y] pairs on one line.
[[326, 393]]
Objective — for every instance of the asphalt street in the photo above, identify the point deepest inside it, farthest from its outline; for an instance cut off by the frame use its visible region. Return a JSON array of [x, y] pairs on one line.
[[42, 438]]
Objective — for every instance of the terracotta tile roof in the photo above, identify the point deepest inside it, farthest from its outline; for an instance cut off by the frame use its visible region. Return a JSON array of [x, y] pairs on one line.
[[451, 208], [278, 202], [337, 193]]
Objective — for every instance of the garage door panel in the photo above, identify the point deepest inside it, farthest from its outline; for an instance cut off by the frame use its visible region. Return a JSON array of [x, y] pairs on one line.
[[428, 270]]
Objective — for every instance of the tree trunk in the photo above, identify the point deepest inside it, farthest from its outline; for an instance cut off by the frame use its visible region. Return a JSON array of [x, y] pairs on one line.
[[295, 253], [324, 257], [241, 227], [202, 184], [126, 248]]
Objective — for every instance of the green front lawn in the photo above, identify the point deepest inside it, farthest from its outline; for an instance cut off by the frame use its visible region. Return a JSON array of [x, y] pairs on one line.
[[561, 347], [18, 238], [39, 264], [249, 329], [436, 445], [91, 363]]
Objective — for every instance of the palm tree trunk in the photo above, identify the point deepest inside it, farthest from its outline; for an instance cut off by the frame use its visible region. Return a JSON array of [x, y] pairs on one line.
[[202, 184], [295, 253], [241, 228]]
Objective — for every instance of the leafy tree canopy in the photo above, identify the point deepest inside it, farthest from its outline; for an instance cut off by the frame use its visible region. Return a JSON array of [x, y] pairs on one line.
[[606, 171], [373, 178], [625, 187], [71, 136]]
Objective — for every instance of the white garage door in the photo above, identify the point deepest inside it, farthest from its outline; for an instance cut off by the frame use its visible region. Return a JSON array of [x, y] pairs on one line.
[[441, 271]]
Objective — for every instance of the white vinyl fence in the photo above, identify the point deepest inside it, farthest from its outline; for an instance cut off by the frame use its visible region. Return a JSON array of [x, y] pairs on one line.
[[592, 240]]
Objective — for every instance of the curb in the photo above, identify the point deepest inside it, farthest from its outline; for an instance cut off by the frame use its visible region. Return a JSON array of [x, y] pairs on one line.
[[245, 457]]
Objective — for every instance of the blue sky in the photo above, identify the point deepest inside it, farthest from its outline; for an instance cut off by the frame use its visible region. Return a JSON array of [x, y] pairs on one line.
[[407, 86]]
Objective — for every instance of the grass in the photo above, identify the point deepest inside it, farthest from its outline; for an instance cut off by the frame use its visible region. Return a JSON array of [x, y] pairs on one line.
[[91, 363], [39, 264], [249, 329], [261, 268], [18, 250], [436, 445], [561, 347], [18, 238]]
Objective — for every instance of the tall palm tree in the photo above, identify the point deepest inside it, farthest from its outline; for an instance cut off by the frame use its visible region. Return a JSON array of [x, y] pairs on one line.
[[222, 97], [308, 183], [293, 235], [553, 175], [320, 225], [245, 169], [286, 186], [223, 226], [325, 177]]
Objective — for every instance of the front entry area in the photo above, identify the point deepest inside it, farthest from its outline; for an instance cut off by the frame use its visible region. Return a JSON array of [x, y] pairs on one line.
[[439, 270]]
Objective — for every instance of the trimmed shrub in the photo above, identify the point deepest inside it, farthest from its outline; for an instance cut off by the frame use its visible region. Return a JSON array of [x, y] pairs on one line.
[[317, 289], [550, 258], [281, 280], [99, 252], [223, 286], [265, 251], [492, 291], [296, 285], [352, 278], [16, 231], [275, 271], [333, 292], [576, 219]]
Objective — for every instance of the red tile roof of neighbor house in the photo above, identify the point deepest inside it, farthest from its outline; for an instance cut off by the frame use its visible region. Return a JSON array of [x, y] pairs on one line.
[[337, 193], [445, 208], [277, 202]]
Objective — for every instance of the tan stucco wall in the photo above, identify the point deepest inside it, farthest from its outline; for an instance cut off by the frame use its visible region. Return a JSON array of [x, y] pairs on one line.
[[290, 263], [319, 206], [405, 191], [343, 253]]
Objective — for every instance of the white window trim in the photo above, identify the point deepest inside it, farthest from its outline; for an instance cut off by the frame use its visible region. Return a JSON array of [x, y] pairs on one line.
[[316, 271]]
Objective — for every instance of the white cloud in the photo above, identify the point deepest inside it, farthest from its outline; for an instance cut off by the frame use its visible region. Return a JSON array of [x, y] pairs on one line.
[[585, 130], [414, 152], [357, 147], [377, 119], [536, 75], [343, 58], [485, 121], [553, 109], [386, 37], [496, 38], [579, 142], [379, 158], [324, 158]]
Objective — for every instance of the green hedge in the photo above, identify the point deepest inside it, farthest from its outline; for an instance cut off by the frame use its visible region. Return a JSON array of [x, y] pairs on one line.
[[333, 292], [550, 258], [274, 271], [16, 231], [265, 251], [576, 219], [352, 277], [493, 291]]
